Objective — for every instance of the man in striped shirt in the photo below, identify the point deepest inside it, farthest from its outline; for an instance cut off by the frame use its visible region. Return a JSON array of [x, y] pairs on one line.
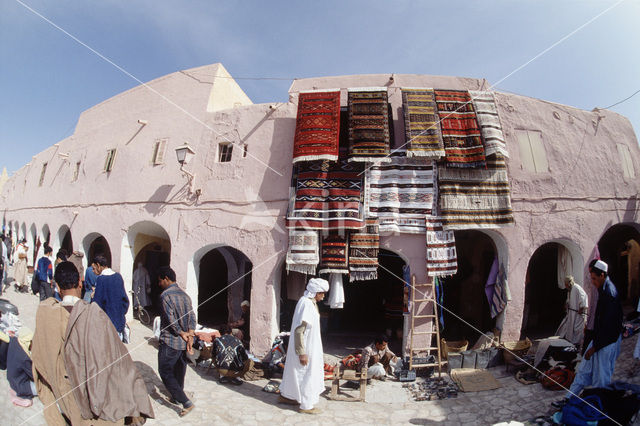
[[177, 324]]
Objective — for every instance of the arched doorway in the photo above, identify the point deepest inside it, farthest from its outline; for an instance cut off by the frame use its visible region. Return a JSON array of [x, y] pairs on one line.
[[545, 295], [224, 281], [34, 244], [148, 243], [620, 248], [64, 239], [46, 234], [464, 293], [94, 244]]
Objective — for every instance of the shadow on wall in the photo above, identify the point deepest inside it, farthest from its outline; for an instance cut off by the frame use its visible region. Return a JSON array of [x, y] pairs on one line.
[[633, 210], [156, 204]]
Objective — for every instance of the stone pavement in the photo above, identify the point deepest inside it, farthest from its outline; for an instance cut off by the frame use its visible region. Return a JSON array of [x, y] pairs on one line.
[[387, 402]]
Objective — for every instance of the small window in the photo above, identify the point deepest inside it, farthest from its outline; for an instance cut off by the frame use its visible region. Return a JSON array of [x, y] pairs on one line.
[[42, 173], [224, 152], [159, 147], [245, 150], [111, 158], [532, 153], [625, 158], [76, 172]]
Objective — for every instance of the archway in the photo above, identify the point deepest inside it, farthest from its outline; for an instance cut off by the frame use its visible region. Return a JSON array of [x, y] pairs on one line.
[[46, 234], [545, 295], [148, 243], [64, 239], [34, 244], [23, 231], [619, 247], [464, 293], [224, 281], [94, 244]]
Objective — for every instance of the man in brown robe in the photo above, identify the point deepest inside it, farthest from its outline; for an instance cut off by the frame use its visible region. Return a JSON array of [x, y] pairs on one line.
[[67, 352]]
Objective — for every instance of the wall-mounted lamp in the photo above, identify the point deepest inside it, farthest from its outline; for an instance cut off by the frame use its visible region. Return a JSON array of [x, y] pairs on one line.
[[143, 122], [184, 154]]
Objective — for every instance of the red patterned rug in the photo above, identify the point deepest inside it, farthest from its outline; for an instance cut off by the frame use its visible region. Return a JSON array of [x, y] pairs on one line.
[[460, 132], [317, 127], [333, 258]]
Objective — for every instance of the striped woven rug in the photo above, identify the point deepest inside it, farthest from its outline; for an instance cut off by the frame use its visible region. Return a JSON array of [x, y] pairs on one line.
[[333, 257], [303, 254], [460, 131], [442, 258], [421, 124], [368, 125], [400, 194], [328, 196], [363, 252], [317, 127], [475, 198], [489, 122]]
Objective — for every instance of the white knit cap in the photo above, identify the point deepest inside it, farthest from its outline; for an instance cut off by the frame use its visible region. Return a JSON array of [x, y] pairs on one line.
[[601, 266], [316, 285]]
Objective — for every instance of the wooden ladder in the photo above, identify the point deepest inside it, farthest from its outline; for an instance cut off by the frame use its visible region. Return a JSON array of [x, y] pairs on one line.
[[426, 293]]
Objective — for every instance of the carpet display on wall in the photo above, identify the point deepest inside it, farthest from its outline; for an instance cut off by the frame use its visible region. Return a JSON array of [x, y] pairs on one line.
[[475, 198], [328, 196], [317, 126], [485, 105], [421, 124], [460, 132], [303, 253], [363, 252], [400, 194], [442, 257], [333, 256], [369, 138]]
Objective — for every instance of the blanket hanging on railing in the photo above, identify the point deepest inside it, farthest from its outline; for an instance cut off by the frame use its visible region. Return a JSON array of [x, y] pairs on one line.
[[421, 124], [485, 105], [442, 258], [317, 126], [369, 138], [460, 131], [303, 253], [363, 252], [333, 258]]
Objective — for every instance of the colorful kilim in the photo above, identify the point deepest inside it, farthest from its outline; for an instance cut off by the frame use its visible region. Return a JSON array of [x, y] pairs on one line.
[[475, 198], [368, 126], [317, 127], [489, 122], [421, 124], [328, 196], [460, 131], [334, 255], [442, 259], [363, 252], [303, 255], [400, 194]]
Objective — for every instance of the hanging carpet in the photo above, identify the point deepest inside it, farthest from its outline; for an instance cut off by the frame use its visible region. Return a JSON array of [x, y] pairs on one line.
[[442, 258], [460, 131], [489, 122], [475, 198], [421, 124], [327, 196], [369, 136], [303, 254], [363, 252], [400, 194], [317, 127], [333, 258]]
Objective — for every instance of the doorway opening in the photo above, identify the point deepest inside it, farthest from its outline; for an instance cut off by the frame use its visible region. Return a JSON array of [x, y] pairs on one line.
[[620, 248]]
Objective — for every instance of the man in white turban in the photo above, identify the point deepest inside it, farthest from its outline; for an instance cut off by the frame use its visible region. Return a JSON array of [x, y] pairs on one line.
[[303, 377], [572, 326]]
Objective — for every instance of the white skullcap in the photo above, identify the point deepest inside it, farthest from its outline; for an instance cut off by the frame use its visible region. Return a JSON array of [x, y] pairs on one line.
[[601, 266], [316, 285], [244, 303]]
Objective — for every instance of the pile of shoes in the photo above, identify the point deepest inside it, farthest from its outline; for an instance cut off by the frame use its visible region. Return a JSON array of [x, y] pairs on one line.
[[432, 389]]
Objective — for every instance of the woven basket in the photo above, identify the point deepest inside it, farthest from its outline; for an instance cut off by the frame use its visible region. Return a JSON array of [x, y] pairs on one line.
[[453, 347], [518, 348]]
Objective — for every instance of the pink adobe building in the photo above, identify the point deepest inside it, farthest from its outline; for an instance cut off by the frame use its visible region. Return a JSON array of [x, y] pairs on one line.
[[115, 187]]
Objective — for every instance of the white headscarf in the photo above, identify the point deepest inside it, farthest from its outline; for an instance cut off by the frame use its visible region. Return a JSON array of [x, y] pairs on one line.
[[316, 285]]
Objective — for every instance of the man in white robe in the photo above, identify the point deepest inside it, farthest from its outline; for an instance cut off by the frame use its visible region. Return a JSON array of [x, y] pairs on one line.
[[303, 377], [572, 326], [141, 286]]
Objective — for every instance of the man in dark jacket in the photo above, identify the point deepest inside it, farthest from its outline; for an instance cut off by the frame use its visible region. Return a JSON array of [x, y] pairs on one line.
[[231, 357], [600, 357]]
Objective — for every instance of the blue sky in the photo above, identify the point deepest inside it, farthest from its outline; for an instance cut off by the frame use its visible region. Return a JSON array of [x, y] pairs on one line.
[[47, 79]]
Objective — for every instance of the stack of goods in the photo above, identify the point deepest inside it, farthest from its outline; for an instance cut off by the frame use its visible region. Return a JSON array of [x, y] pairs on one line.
[[432, 389]]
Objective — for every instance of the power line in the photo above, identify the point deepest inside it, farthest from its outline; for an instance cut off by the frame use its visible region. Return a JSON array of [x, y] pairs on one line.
[[624, 100]]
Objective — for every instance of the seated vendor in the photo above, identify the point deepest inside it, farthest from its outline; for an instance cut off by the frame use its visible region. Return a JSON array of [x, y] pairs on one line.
[[378, 352], [230, 357], [240, 328], [19, 369]]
